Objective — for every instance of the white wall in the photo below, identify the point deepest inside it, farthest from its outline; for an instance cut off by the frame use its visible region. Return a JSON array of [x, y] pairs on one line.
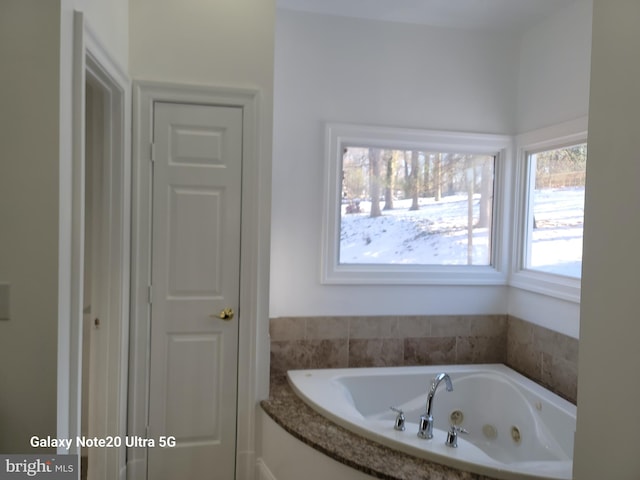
[[36, 42], [224, 43], [29, 52], [553, 88], [381, 73], [608, 387], [555, 58], [503, 84], [109, 19], [549, 312]]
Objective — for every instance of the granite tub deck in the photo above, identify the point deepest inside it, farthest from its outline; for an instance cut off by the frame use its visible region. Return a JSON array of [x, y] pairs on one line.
[[308, 426]]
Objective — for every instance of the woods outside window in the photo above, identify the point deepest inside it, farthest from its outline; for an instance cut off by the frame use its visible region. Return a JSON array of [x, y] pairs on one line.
[[550, 174], [413, 206], [555, 213]]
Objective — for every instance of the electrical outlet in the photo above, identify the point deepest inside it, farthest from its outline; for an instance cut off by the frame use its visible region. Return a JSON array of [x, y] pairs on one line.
[[5, 290]]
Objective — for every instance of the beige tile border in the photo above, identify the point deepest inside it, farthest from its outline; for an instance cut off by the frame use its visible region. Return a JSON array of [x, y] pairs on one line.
[[546, 357]]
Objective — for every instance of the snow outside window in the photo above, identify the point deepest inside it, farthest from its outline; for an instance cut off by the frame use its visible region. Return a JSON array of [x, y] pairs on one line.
[[555, 214], [549, 210], [414, 206]]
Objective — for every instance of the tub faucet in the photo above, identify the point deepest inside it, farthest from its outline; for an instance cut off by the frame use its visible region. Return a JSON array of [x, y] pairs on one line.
[[425, 427], [452, 436], [399, 422]]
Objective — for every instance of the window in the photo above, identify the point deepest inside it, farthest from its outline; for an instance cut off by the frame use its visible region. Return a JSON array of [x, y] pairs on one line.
[[549, 210], [413, 206], [555, 213]]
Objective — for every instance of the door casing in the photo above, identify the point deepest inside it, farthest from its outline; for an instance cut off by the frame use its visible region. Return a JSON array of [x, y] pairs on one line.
[[253, 344], [91, 60]]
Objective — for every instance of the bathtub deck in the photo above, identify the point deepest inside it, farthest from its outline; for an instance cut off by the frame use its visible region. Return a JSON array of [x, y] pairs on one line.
[[308, 426]]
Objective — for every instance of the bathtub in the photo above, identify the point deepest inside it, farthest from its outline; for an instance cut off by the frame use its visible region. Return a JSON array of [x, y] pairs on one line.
[[516, 429]]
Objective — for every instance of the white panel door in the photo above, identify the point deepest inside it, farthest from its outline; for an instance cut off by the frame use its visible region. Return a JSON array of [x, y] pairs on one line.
[[195, 276]]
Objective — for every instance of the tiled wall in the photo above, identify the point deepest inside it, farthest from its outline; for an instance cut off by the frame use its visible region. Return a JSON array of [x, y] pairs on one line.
[[339, 342], [548, 357]]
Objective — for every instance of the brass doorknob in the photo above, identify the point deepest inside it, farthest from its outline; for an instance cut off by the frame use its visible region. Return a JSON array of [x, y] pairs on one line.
[[226, 314]]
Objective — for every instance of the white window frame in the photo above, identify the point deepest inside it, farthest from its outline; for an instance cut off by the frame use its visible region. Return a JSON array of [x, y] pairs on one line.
[[338, 135], [557, 136]]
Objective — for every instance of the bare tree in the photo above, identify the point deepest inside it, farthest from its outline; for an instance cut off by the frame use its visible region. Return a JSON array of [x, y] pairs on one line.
[[471, 180], [486, 192], [375, 155], [406, 155], [426, 175], [437, 176], [561, 167], [414, 180], [354, 181], [391, 157]]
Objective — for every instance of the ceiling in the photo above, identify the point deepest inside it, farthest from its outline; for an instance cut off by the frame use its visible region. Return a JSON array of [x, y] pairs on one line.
[[514, 15]]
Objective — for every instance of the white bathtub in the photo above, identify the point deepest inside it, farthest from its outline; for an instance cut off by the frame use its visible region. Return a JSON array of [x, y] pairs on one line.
[[517, 429]]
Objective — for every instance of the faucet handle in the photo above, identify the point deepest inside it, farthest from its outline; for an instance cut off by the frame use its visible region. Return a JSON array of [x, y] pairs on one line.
[[399, 422], [452, 436]]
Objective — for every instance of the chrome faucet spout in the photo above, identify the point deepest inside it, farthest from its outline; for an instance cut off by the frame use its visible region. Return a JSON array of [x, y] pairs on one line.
[[425, 427], [434, 386]]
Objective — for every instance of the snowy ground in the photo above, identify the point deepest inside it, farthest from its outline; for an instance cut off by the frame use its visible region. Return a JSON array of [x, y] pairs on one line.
[[436, 234], [557, 240]]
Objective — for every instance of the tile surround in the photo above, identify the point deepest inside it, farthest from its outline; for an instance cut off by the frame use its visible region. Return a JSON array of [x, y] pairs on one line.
[[546, 357], [550, 358], [341, 342]]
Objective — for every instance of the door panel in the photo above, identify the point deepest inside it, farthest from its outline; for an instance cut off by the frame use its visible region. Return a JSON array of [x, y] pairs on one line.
[[199, 422], [195, 275]]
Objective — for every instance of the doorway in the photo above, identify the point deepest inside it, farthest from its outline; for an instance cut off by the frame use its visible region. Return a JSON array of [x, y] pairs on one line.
[[94, 138], [195, 245], [252, 280], [101, 222]]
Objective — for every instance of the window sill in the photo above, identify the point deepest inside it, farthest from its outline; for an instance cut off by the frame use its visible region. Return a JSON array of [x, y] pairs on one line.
[[413, 275], [557, 286]]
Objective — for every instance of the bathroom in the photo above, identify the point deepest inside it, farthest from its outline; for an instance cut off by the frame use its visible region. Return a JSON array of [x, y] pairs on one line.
[[505, 89], [500, 95], [494, 81]]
